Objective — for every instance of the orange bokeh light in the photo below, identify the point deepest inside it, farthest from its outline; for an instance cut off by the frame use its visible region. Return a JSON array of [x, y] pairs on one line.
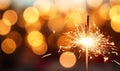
[[11, 16], [104, 11], [4, 29], [8, 46], [67, 59]]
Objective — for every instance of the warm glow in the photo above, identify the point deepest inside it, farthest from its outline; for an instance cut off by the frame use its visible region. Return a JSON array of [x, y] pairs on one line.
[[87, 41], [114, 2], [67, 59], [8, 46], [41, 49], [94, 3], [31, 15], [4, 29], [63, 5], [115, 26], [4, 4], [35, 39], [11, 16], [76, 17], [115, 14], [64, 41], [104, 11], [56, 24], [16, 36], [43, 6]]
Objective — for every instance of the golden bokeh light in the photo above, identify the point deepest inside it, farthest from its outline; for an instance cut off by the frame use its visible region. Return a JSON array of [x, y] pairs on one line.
[[41, 49], [104, 11], [63, 5], [4, 4], [31, 15], [33, 26], [115, 26], [94, 4], [43, 6], [115, 13], [76, 17], [11, 16], [8, 46], [4, 29], [56, 24], [35, 39], [67, 59], [16, 36]]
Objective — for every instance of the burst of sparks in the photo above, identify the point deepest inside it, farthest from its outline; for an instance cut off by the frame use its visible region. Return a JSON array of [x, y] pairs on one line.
[[96, 42]]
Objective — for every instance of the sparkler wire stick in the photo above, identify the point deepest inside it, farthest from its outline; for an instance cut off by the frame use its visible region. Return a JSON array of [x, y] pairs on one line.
[[86, 47]]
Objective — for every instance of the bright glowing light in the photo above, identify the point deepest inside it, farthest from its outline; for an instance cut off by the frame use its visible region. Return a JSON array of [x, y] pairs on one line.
[[4, 4], [11, 16], [106, 59], [8, 46], [31, 14], [86, 41], [4, 29], [35, 39], [96, 42], [67, 59], [94, 3], [115, 13], [43, 6]]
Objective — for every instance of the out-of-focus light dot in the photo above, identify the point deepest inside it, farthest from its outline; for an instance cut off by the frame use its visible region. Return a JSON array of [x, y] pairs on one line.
[[35, 39], [11, 16], [114, 2], [67, 59], [115, 26], [4, 4], [31, 14], [76, 17], [94, 3], [16, 36], [104, 11], [41, 49], [43, 6], [56, 24], [8, 46], [33, 26], [63, 5], [97, 19], [64, 41], [115, 14], [4, 29]]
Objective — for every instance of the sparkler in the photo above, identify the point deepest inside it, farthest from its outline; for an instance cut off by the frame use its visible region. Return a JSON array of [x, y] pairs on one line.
[[90, 40]]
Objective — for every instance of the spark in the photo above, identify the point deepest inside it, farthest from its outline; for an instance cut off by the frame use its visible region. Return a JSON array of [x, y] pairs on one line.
[[46, 55], [106, 59], [96, 42], [116, 62]]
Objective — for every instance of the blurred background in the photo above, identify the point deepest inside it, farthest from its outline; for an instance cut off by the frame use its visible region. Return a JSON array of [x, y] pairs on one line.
[[30, 34]]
